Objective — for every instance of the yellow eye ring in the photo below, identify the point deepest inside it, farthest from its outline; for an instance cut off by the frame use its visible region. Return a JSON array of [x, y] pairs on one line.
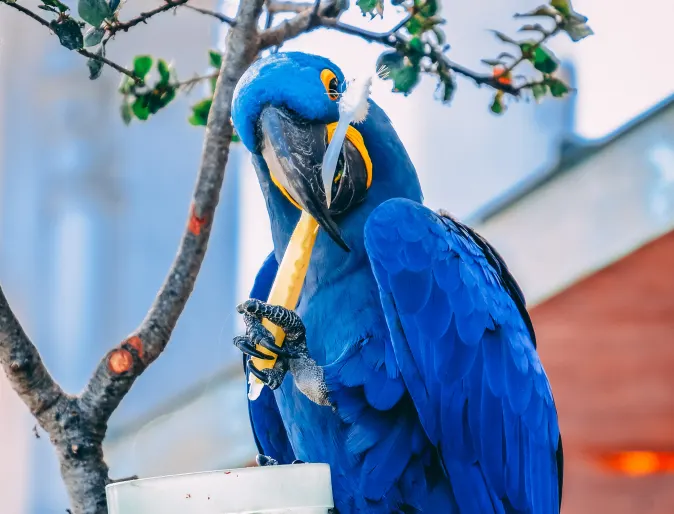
[[330, 83]]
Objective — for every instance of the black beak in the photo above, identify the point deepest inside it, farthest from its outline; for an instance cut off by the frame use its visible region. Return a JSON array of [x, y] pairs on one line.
[[293, 151]]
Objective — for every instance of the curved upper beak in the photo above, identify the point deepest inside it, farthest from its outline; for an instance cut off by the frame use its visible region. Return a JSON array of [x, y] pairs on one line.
[[293, 151]]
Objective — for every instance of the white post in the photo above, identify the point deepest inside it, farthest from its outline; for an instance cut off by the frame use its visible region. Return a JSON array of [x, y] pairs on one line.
[[291, 489]]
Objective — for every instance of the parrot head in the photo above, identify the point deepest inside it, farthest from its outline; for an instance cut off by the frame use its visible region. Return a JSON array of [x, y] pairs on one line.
[[285, 107]]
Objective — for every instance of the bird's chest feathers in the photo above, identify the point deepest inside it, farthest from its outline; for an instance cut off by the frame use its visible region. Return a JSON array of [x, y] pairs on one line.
[[340, 314]]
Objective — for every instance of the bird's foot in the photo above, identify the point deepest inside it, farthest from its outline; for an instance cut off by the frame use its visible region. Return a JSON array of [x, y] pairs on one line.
[[254, 311], [293, 355], [263, 460]]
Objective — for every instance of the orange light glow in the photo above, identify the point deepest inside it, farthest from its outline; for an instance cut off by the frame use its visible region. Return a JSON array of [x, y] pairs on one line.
[[638, 463]]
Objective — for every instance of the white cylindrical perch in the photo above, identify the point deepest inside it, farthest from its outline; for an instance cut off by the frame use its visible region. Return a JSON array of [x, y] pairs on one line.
[[292, 489]]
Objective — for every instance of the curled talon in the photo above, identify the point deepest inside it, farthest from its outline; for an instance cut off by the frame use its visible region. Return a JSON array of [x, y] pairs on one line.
[[273, 377], [262, 375], [278, 350], [244, 344]]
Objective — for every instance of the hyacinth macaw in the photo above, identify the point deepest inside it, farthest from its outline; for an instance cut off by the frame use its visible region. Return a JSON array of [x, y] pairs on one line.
[[412, 358]]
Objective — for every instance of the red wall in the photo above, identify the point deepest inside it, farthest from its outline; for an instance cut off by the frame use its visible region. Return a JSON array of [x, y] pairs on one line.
[[607, 344]]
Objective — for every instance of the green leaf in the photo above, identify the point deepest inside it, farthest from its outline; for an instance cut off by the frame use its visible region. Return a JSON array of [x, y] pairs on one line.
[[200, 112], [527, 48], [557, 88], [544, 61], [141, 108], [56, 4], [577, 30], [93, 36], [427, 8], [404, 76], [93, 11], [539, 91], [367, 6], [415, 25], [164, 72], [446, 88], [126, 85], [563, 6], [215, 58], [126, 112], [405, 79], [415, 50], [497, 106], [95, 66], [235, 137], [505, 38], [142, 64], [160, 97], [69, 32], [114, 4], [391, 60], [46, 8]]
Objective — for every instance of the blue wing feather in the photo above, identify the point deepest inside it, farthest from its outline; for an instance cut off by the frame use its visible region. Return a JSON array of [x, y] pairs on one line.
[[465, 347], [269, 431]]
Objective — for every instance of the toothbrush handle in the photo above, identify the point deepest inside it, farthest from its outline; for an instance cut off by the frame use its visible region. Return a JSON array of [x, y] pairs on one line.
[[288, 284]]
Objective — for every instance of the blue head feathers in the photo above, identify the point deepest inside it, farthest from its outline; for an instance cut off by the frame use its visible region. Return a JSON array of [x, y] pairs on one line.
[[283, 108]]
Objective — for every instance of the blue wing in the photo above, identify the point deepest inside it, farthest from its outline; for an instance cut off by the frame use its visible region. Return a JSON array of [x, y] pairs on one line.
[[465, 347], [269, 431]]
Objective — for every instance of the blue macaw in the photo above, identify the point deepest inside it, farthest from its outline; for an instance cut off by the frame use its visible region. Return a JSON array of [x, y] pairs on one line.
[[412, 358]]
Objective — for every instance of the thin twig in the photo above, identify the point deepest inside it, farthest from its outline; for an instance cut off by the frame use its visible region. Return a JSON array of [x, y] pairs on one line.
[[306, 20], [27, 12], [81, 51], [143, 17], [223, 18], [113, 65], [189, 83]]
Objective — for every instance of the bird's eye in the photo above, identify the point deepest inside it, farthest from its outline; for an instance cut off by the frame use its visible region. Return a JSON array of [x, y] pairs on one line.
[[331, 84]]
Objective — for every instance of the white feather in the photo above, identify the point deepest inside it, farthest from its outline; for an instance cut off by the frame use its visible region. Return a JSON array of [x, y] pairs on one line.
[[353, 102], [353, 108]]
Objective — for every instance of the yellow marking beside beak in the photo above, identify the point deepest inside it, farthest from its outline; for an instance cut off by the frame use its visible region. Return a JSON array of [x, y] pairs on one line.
[[356, 140], [283, 190]]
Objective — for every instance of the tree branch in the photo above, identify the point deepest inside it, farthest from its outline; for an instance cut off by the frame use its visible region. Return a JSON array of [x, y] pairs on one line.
[[282, 6], [118, 370], [308, 19], [76, 435], [77, 425], [24, 368]]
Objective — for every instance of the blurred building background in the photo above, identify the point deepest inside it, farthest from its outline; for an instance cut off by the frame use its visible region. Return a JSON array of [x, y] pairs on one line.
[[577, 195]]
